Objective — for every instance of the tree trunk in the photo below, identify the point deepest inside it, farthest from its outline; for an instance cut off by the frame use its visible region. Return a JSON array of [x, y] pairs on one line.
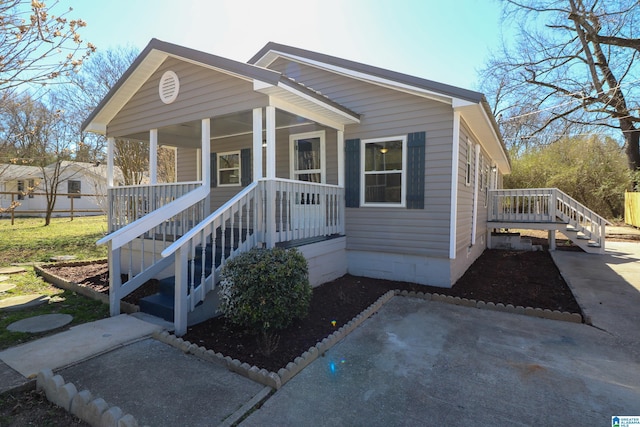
[[632, 146]]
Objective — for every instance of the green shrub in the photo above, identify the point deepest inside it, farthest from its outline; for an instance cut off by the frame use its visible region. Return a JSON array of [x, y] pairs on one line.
[[265, 289]]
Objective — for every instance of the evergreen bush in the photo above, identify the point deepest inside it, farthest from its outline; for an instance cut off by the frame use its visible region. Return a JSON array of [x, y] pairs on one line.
[[265, 289]]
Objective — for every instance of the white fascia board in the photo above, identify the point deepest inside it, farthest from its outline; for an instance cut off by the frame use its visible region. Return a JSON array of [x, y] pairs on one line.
[[299, 111], [260, 86], [99, 128], [370, 78]]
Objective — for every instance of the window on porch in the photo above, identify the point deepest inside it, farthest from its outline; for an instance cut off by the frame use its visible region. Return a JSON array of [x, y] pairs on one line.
[[229, 169]]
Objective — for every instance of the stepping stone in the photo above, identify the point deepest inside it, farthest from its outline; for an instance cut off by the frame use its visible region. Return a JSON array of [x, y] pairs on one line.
[[62, 258], [4, 278], [22, 301], [4, 287], [11, 270], [43, 323]]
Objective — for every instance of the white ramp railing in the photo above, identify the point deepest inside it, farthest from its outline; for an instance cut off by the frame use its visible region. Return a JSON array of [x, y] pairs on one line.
[[546, 205]]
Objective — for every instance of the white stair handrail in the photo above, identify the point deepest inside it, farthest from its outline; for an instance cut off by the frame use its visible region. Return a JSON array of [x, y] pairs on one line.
[[123, 235], [195, 231]]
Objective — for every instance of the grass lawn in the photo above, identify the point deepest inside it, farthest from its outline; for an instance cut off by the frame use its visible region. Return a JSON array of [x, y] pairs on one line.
[[29, 241]]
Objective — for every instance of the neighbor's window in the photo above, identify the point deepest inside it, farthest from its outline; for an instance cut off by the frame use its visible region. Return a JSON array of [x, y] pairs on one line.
[[384, 168], [73, 187], [229, 169], [31, 188], [20, 190]]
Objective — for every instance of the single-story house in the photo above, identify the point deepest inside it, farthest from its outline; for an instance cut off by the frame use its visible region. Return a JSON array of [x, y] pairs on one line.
[[365, 170], [26, 185]]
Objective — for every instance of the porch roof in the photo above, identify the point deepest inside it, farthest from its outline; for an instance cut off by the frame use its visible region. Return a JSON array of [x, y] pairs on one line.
[[266, 81], [472, 105]]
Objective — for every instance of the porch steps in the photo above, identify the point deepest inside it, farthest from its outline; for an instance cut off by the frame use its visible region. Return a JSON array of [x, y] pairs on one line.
[[161, 304]]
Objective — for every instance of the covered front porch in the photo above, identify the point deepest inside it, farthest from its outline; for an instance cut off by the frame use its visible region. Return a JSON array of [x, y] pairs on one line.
[[259, 163]]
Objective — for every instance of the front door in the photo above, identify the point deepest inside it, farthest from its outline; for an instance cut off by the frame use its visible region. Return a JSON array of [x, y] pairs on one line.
[[307, 154]]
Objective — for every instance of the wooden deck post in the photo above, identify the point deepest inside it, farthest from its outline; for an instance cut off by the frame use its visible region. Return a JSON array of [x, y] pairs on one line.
[[552, 239]]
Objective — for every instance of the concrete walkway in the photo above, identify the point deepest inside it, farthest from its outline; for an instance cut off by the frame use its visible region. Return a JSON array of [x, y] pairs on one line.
[[415, 362]]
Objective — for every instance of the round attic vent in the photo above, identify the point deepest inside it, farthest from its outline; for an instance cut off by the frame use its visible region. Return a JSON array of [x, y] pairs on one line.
[[169, 87]]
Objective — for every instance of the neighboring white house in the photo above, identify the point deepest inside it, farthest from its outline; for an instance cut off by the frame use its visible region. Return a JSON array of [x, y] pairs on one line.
[[87, 180]]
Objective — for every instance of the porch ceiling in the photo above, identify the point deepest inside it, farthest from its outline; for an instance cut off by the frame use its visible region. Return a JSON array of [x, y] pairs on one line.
[[241, 123]]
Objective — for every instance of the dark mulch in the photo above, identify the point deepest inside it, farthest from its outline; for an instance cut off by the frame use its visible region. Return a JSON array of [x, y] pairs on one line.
[[31, 408], [518, 278]]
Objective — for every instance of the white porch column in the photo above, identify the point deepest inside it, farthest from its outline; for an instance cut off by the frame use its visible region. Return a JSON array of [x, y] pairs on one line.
[[111, 146], [340, 148], [153, 156], [271, 141], [257, 143], [270, 205], [206, 152]]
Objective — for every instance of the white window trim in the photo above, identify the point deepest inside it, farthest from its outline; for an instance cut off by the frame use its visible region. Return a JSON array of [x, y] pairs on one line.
[[219, 169], [323, 154], [403, 179]]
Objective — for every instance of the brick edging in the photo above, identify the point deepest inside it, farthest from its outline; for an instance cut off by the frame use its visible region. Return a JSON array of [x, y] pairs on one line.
[[508, 308], [83, 405], [273, 379], [62, 283]]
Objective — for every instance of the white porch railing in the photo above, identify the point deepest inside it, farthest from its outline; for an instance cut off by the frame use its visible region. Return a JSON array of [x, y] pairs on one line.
[[145, 238], [130, 203], [267, 211], [302, 210], [546, 205]]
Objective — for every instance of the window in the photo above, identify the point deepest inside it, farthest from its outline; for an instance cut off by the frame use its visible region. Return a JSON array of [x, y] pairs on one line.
[[73, 187], [20, 190], [467, 175], [31, 188], [307, 154], [229, 169], [384, 166]]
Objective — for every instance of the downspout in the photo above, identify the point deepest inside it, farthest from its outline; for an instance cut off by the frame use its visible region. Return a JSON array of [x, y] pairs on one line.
[[455, 153]]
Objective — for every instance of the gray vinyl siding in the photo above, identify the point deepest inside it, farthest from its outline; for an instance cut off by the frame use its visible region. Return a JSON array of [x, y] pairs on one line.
[[186, 164], [385, 113], [203, 93], [465, 252]]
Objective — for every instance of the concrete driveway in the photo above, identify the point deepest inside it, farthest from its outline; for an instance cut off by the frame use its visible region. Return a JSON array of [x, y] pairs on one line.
[[419, 362], [427, 363]]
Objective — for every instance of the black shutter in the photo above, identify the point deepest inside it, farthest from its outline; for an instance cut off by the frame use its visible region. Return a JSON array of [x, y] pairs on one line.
[[352, 173], [245, 166], [415, 170], [214, 170]]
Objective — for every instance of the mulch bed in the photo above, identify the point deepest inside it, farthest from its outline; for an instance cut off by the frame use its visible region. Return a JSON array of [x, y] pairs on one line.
[[529, 279]]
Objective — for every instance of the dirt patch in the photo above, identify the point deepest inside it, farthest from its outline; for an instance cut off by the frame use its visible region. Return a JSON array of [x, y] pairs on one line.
[[529, 279]]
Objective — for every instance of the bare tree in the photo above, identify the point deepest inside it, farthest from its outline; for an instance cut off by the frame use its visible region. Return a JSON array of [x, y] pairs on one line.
[[36, 45], [570, 70], [36, 136]]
